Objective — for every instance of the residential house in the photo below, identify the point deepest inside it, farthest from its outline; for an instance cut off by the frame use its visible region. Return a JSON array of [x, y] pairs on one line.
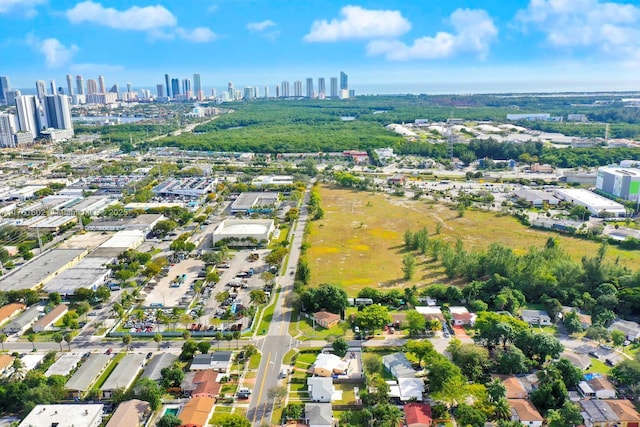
[[579, 360], [598, 387], [328, 364], [606, 413], [201, 384], [8, 311], [197, 412], [124, 374], [417, 415], [24, 321], [219, 361], [513, 387], [461, 316], [153, 369], [523, 411], [630, 329], [397, 179], [6, 362], [536, 317], [132, 413], [410, 389], [326, 319], [398, 365], [431, 312], [84, 377], [320, 389], [318, 414], [50, 318]]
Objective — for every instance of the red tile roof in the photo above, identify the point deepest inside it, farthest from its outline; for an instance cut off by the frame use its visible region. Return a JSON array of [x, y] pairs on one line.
[[417, 414]]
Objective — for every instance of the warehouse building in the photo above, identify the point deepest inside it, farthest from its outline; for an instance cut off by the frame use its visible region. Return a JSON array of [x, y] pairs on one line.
[[243, 232], [35, 273], [623, 183], [188, 187], [596, 204], [255, 202], [90, 273], [272, 181]]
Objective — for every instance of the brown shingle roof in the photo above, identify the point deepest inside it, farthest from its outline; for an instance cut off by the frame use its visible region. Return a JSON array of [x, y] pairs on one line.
[[525, 410], [624, 410], [196, 411], [8, 310]]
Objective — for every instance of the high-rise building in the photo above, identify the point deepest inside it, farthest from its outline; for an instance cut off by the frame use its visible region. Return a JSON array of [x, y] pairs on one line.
[[175, 88], [7, 130], [297, 89], [334, 87], [11, 95], [92, 87], [31, 116], [58, 111], [266, 91], [167, 85], [277, 91], [54, 89], [160, 90], [197, 87], [101, 88], [129, 87], [285, 89], [322, 91], [41, 89], [4, 88], [213, 93], [79, 85], [248, 93], [69, 85], [186, 86], [344, 81], [231, 90], [115, 89], [309, 87]]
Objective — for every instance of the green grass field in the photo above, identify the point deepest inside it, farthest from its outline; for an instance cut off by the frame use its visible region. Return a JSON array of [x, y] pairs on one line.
[[359, 242]]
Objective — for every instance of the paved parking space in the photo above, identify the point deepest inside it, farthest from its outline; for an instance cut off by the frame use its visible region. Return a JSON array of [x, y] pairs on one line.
[[172, 297]]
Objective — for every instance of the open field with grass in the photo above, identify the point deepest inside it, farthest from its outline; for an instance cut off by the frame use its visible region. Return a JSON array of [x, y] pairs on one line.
[[359, 242]]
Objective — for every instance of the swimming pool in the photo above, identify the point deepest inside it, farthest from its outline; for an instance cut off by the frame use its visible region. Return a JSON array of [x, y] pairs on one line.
[[172, 411]]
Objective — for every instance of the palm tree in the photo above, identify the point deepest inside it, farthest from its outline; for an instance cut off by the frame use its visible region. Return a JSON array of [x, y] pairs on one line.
[[3, 339], [502, 409], [228, 337], [186, 335], [236, 336], [17, 369], [32, 340], [496, 390], [57, 337], [158, 339], [126, 340], [219, 337]]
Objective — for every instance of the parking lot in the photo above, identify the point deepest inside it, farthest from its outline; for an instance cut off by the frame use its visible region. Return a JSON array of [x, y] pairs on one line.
[[163, 295]]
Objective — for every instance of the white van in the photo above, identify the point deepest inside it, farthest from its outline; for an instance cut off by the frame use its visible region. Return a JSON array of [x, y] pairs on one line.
[[284, 372]]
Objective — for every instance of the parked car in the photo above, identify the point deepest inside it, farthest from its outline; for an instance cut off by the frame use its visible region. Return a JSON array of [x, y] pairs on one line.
[[109, 351]]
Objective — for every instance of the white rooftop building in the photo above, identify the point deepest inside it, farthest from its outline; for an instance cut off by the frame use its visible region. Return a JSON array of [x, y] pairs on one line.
[[78, 415], [592, 201]]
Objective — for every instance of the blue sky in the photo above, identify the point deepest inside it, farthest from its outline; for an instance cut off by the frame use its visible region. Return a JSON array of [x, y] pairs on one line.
[[454, 45]]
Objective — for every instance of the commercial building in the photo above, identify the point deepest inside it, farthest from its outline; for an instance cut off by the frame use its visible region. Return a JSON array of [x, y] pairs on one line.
[[78, 415], [535, 198], [50, 318], [623, 183], [596, 204], [132, 413], [272, 181], [255, 202], [243, 232], [90, 273], [80, 383], [41, 269], [125, 239], [187, 187], [124, 374]]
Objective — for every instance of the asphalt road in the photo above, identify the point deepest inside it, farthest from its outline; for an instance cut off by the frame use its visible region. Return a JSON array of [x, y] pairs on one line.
[[277, 342]]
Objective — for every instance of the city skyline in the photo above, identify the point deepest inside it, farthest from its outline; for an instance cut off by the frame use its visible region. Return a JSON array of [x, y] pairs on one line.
[[460, 46]]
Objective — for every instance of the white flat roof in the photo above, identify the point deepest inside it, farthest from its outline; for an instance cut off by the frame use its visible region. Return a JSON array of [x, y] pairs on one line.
[[38, 269], [124, 239], [64, 365], [78, 415], [126, 371], [589, 198]]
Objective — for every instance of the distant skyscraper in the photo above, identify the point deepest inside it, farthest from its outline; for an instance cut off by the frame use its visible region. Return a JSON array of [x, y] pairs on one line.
[[115, 89], [31, 116], [344, 81], [231, 90], [309, 87], [160, 90], [186, 86], [197, 87], [334, 87], [4, 87], [266, 91], [41, 89], [167, 85], [285, 89], [297, 89], [321, 87], [213, 93], [92, 87], [58, 110], [277, 91], [11, 95], [129, 87], [54, 90], [175, 88], [69, 85], [248, 93], [101, 87], [7, 130], [79, 85]]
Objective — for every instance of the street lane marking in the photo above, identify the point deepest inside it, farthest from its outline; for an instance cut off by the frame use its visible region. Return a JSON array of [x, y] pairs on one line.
[[264, 377]]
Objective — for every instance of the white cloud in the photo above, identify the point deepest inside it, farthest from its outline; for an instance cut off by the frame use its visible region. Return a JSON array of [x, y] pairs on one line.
[[157, 21], [474, 33], [25, 7], [259, 27], [358, 23], [197, 35], [56, 55], [135, 18], [608, 27]]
